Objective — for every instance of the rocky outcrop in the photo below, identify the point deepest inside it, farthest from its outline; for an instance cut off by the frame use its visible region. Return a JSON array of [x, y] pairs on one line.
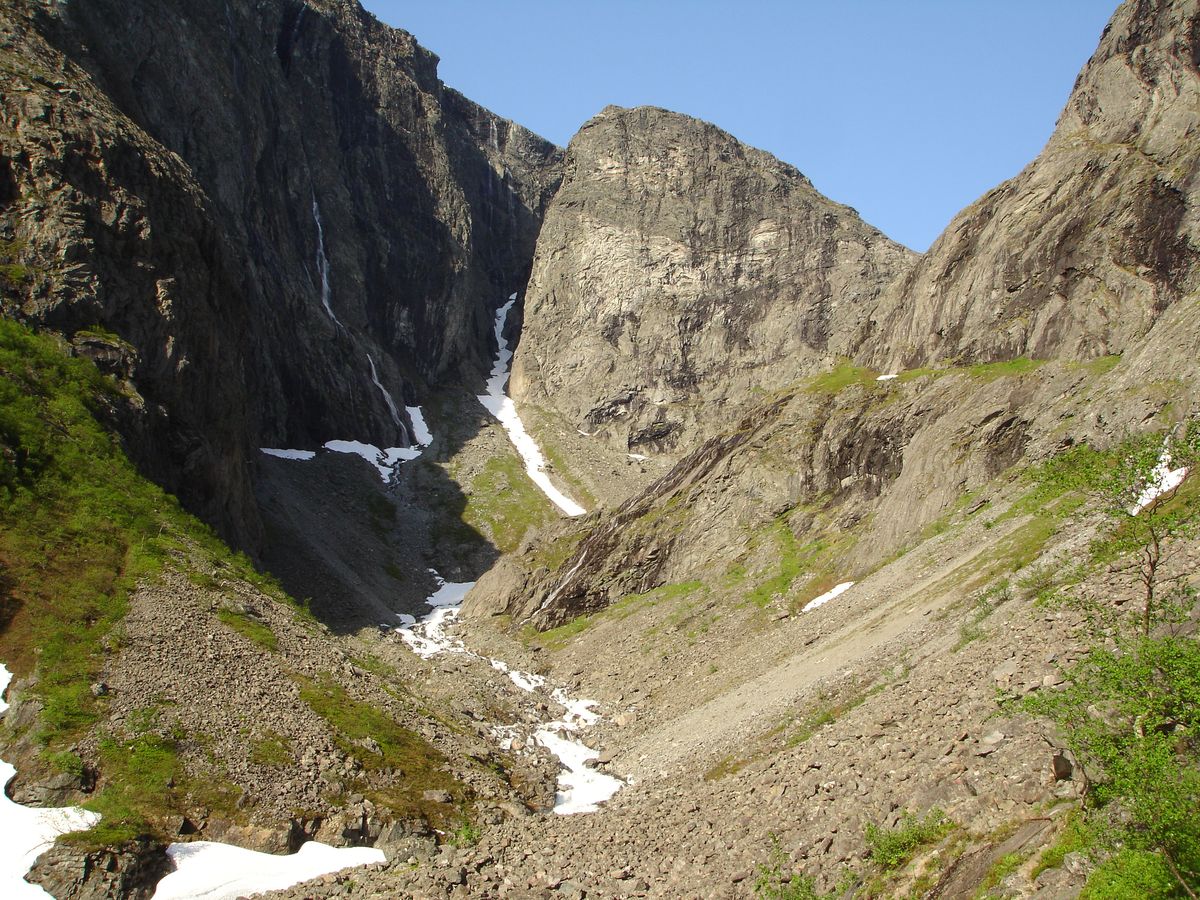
[[129, 872], [273, 205], [1079, 254], [679, 274]]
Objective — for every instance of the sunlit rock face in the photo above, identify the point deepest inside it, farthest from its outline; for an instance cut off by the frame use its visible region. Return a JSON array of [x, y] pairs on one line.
[[1081, 253], [679, 275]]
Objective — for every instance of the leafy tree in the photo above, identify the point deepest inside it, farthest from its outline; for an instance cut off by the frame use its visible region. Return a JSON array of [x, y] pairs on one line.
[[1131, 710]]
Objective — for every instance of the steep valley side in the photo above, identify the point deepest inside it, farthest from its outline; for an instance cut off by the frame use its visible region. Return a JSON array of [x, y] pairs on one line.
[[837, 522]]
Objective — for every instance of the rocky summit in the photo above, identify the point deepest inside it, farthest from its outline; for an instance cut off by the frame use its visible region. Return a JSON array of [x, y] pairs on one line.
[[395, 504]]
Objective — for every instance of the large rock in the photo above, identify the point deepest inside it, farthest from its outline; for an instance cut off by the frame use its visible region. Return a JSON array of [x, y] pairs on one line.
[[679, 275]]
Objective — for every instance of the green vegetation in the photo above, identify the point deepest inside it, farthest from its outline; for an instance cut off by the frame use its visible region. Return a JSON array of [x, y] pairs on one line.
[[890, 848], [774, 882], [1076, 837], [271, 749], [842, 376], [12, 272], [1131, 709], [559, 637], [79, 529], [1008, 368], [249, 627], [504, 504], [370, 736], [983, 606], [1001, 869]]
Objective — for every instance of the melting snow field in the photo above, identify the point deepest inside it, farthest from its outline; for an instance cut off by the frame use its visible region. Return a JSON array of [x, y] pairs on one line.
[[384, 460], [1165, 480], [827, 596], [581, 789], [501, 406], [209, 871], [27, 831]]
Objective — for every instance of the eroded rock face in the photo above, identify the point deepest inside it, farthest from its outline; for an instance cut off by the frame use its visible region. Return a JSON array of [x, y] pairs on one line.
[[678, 274], [1079, 254], [128, 872], [257, 197]]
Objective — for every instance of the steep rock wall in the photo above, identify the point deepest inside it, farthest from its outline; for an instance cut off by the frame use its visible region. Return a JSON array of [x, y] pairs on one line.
[[255, 197], [678, 275], [1082, 251]]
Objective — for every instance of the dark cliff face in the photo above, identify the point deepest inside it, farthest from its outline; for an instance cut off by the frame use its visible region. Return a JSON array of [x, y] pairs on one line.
[[256, 197], [1079, 254], [679, 274]]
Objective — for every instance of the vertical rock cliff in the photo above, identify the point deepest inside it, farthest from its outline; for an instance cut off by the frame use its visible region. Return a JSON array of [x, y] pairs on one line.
[[271, 206], [1081, 252], [679, 274]]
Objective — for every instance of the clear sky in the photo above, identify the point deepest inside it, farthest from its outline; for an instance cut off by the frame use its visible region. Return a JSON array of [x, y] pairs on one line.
[[906, 110]]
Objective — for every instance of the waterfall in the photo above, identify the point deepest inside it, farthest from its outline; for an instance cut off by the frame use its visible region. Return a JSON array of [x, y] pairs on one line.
[[387, 398], [323, 262]]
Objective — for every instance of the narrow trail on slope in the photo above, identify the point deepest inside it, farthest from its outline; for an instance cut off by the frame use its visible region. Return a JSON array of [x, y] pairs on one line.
[[883, 611]]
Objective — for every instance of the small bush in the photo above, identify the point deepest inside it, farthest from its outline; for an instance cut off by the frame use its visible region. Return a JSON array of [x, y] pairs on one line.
[[891, 848]]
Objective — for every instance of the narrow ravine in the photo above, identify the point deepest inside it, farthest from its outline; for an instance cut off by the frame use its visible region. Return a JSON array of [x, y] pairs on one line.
[[581, 789], [500, 405]]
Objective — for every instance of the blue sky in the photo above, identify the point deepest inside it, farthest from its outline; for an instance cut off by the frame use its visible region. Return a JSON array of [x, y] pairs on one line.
[[906, 110]]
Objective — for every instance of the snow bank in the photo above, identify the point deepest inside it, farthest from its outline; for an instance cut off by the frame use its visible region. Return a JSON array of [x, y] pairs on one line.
[[288, 454], [499, 405], [421, 433], [828, 595], [209, 871], [1165, 480], [384, 461], [885, 377], [26, 831]]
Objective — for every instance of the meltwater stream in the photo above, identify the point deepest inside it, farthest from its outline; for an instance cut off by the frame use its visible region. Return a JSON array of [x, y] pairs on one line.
[[580, 789]]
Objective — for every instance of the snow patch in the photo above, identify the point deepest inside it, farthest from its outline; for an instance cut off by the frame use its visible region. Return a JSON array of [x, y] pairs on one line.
[[384, 461], [1164, 480], [421, 432], [885, 377], [501, 406], [827, 596], [26, 832], [581, 789], [205, 870], [638, 457], [288, 454]]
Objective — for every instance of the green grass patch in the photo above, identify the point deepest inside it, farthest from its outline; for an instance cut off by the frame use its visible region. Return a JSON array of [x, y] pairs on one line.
[[890, 848], [380, 744], [845, 374], [144, 783], [271, 749], [1009, 368], [1130, 874], [1101, 365], [504, 504], [1001, 869], [1077, 836], [249, 627], [553, 553]]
